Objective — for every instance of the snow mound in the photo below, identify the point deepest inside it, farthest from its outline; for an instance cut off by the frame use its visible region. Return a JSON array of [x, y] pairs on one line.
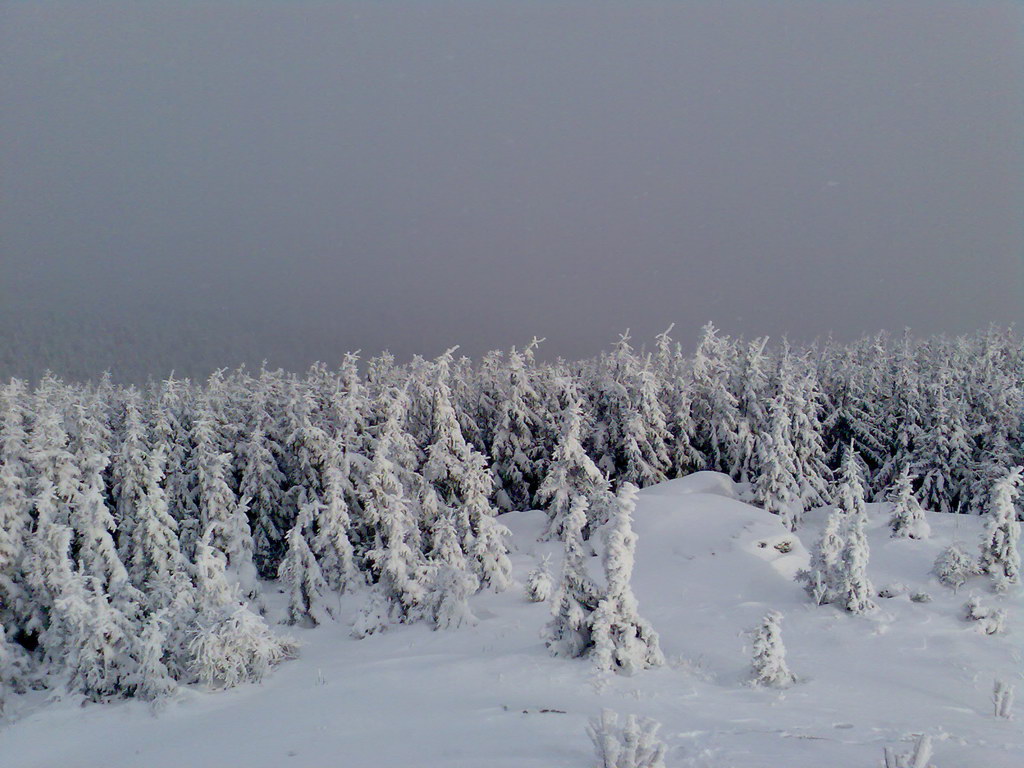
[[713, 483]]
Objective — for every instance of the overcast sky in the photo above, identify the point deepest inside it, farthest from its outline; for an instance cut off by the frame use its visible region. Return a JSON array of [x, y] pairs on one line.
[[415, 175]]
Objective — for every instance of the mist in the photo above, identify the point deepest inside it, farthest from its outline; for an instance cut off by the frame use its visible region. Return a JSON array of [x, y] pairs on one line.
[[184, 186]]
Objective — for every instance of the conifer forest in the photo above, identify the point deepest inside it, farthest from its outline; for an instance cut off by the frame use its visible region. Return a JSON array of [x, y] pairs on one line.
[[142, 528]]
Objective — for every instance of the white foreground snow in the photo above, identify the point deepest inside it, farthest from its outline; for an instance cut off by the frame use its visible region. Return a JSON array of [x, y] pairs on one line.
[[708, 569]]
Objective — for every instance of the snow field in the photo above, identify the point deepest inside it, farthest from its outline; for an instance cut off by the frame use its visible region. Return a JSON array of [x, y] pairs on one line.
[[708, 568]]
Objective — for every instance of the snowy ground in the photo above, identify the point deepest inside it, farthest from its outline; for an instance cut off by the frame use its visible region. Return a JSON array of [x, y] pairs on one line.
[[491, 695]]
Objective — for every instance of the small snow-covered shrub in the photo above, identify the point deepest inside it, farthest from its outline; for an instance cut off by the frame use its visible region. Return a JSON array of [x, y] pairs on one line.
[[539, 584], [235, 648], [448, 595], [990, 621], [634, 745], [954, 566], [917, 757], [892, 590], [373, 617], [1002, 699], [920, 597]]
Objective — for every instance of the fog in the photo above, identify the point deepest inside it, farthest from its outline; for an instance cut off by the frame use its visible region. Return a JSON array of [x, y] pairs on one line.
[[195, 184]]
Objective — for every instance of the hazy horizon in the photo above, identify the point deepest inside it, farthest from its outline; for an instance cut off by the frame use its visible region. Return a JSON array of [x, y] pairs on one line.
[[291, 181]]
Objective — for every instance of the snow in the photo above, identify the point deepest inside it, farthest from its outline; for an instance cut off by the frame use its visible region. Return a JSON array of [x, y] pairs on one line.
[[708, 568]]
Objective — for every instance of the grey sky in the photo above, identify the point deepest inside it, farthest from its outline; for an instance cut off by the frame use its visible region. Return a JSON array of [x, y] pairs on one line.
[[414, 175]]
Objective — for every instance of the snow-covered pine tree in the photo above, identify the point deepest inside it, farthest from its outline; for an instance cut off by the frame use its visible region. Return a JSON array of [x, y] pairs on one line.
[[902, 417], [91, 520], [223, 518], [101, 655], [907, 520], [752, 414], [228, 644], [776, 487], [299, 572], [853, 588], [715, 407], [1000, 545], [15, 504], [396, 559], [450, 581], [308, 444], [55, 484], [769, 660], [539, 584], [942, 448], [812, 470], [852, 420], [623, 641], [460, 477], [515, 449], [568, 633], [670, 368], [156, 559], [571, 472], [332, 543], [153, 680], [645, 434], [848, 494], [128, 469], [262, 482], [170, 419], [820, 578], [350, 449], [15, 669]]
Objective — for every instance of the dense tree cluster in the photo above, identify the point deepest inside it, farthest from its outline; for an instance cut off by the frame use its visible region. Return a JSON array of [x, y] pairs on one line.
[[137, 525]]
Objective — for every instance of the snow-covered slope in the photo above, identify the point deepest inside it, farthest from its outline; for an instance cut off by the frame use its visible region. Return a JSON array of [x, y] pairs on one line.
[[708, 568]]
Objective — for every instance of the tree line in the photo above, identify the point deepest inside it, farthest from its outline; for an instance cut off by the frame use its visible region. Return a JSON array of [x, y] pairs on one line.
[[137, 525]]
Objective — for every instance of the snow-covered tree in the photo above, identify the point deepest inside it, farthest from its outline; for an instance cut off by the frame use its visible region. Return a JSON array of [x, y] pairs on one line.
[[459, 475], [769, 660], [576, 597], [128, 469], [156, 556], [623, 641], [853, 588], [262, 482], [907, 520], [820, 578], [715, 406], [15, 503], [1000, 545], [752, 417], [812, 472], [675, 395], [15, 670], [396, 559], [332, 543], [571, 472], [849, 491], [228, 644], [101, 655], [539, 584], [515, 448], [299, 572], [776, 488]]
